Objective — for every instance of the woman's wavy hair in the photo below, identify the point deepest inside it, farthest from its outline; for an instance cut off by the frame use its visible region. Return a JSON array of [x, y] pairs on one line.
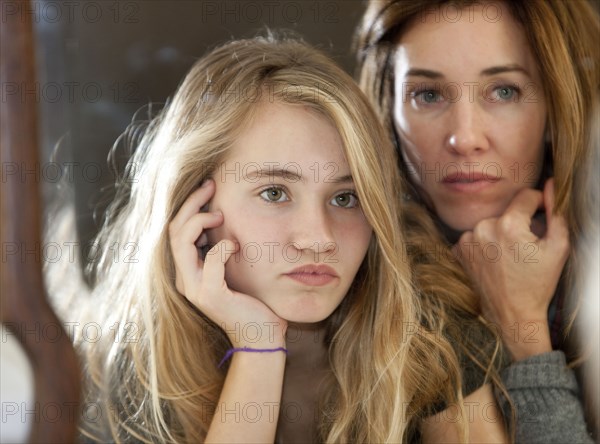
[[156, 373], [564, 38]]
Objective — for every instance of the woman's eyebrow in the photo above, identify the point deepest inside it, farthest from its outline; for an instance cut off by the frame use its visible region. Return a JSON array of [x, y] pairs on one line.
[[494, 70], [420, 72]]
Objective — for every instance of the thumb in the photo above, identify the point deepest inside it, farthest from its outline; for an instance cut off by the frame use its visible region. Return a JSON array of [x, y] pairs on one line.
[[557, 229]]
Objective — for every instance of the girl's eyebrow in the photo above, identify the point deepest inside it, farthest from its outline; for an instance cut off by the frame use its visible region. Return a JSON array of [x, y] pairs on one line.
[[291, 174], [343, 179]]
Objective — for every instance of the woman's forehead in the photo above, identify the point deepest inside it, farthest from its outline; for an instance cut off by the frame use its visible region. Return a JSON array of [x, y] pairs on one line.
[[464, 41]]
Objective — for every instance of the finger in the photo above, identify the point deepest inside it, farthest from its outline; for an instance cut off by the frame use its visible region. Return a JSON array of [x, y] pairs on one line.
[[192, 205], [214, 264], [185, 258], [193, 228], [516, 220], [557, 224], [486, 230], [526, 203], [183, 244]]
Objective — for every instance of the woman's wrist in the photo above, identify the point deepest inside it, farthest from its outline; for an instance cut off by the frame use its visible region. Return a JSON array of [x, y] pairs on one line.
[[524, 339]]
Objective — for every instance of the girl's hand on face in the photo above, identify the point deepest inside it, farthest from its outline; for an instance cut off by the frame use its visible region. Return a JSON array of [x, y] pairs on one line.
[[203, 282], [517, 271]]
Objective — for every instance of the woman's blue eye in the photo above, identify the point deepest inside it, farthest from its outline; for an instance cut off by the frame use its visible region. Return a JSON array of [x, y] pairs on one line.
[[274, 195], [345, 200], [506, 93], [427, 97]]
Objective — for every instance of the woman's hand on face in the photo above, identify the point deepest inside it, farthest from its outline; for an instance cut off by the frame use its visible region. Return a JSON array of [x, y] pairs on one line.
[[517, 271], [203, 282]]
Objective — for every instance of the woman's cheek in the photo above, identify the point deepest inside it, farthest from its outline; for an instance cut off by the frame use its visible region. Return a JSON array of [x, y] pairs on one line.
[[413, 161]]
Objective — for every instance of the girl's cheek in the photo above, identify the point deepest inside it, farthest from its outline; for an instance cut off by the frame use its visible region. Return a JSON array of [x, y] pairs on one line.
[[222, 232]]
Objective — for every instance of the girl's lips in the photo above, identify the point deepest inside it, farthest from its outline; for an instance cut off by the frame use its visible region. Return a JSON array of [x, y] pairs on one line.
[[313, 275], [313, 280]]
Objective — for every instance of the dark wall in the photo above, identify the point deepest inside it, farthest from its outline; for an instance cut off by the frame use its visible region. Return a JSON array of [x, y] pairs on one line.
[[101, 61]]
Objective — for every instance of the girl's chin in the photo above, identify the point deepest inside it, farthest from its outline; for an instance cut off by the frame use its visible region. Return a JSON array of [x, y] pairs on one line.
[[301, 316]]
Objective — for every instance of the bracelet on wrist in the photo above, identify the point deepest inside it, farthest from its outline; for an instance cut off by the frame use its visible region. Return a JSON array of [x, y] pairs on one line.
[[231, 351]]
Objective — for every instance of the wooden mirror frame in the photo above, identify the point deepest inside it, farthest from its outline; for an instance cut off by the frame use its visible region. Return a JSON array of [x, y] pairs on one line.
[[24, 306]]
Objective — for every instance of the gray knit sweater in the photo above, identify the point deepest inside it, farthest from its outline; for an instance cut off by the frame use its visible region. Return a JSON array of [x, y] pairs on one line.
[[545, 394]]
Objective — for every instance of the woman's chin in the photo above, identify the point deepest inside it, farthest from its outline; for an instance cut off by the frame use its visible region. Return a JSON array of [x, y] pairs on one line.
[[466, 219]]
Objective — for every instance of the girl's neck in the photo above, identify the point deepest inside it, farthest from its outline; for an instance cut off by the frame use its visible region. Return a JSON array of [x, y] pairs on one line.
[[306, 344], [306, 372]]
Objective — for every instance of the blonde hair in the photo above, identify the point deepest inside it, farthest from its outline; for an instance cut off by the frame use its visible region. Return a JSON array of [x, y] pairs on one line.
[[563, 36], [159, 379]]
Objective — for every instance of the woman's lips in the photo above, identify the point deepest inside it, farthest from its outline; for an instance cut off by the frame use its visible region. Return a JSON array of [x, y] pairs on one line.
[[313, 275], [469, 182]]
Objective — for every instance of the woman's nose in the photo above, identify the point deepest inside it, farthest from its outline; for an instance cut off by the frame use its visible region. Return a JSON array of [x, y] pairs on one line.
[[466, 135]]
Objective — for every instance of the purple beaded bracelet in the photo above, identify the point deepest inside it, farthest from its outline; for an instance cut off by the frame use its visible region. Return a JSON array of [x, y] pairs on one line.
[[231, 351]]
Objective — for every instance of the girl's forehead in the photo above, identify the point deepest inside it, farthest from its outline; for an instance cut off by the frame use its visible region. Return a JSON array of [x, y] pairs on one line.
[[281, 134]]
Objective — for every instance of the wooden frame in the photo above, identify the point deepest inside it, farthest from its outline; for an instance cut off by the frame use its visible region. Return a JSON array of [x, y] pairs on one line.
[[23, 305]]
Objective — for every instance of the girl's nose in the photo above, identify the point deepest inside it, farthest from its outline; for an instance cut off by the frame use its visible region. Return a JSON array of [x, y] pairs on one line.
[[313, 231]]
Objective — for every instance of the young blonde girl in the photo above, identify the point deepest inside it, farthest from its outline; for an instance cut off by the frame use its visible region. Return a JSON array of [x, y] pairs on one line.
[[155, 371]]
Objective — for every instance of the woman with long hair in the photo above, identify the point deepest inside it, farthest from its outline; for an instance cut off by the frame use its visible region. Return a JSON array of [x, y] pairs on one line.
[[489, 105]]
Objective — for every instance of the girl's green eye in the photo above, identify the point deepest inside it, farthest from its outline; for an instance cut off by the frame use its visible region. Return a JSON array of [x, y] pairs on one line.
[[345, 200], [274, 195]]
